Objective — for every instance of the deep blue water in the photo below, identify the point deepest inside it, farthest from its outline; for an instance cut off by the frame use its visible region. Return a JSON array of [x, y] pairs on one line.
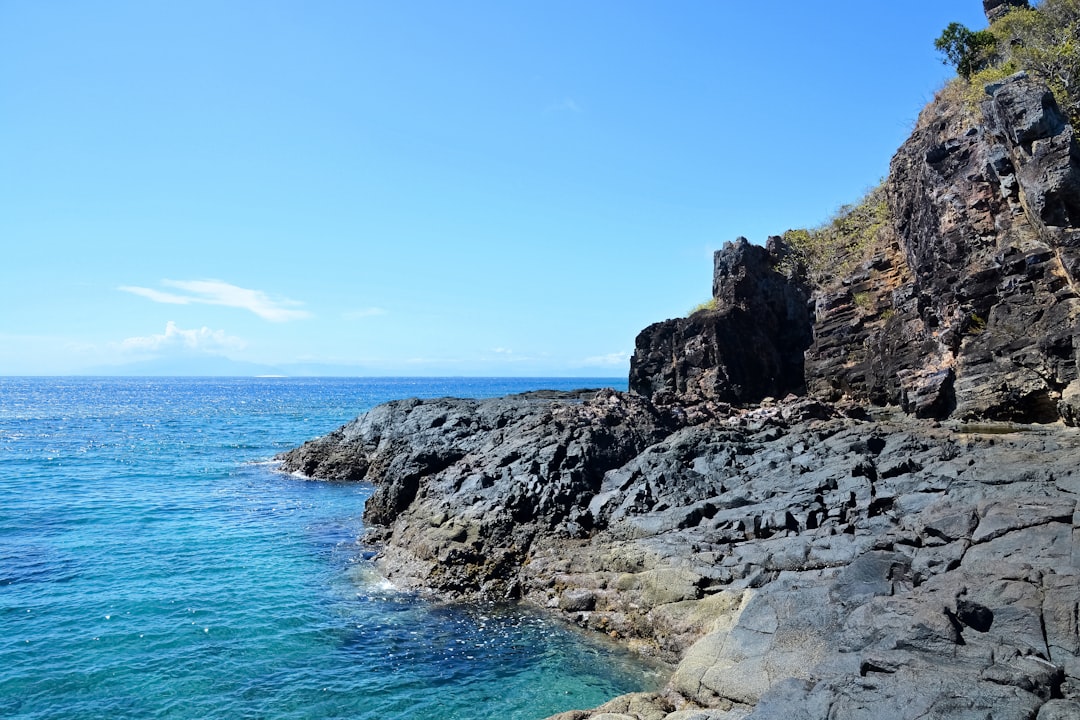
[[153, 564]]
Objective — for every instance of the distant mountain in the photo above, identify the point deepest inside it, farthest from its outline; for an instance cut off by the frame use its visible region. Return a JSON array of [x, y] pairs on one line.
[[187, 365]]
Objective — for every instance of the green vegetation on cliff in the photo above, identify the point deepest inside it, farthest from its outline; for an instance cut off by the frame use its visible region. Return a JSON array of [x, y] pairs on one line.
[[834, 248], [965, 49], [708, 306], [1044, 41]]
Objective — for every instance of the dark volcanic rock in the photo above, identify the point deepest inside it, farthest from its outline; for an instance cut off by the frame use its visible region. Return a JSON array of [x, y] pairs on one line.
[[904, 579], [967, 305], [748, 348], [788, 557], [972, 306], [466, 485]]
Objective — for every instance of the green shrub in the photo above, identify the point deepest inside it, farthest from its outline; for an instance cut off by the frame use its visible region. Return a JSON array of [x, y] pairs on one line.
[[966, 50], [707, 306], [975, 92], [834, 248], [1046, 43]]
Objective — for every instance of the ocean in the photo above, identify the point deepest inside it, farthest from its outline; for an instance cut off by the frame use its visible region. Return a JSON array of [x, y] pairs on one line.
[[154, 564]]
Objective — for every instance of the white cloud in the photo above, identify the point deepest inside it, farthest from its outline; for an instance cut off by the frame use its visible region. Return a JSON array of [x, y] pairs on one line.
[[216, 292], [567, 104], [203, 340], [507, 355], [363, 313], [611, 359], [157, 295]]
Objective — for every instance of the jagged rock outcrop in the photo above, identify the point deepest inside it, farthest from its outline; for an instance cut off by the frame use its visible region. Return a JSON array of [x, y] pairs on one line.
[[464, 486], [972, 307], [967, 305], [748, 347]]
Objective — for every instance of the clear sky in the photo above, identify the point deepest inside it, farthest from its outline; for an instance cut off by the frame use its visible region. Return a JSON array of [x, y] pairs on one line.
[[513, 187]]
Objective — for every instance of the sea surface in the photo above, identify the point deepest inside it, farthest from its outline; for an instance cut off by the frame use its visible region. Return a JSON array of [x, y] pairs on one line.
[[153, 564]]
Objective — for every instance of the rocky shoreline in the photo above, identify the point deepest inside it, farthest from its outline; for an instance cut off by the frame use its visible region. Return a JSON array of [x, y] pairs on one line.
[[843, 497], [788, 556]]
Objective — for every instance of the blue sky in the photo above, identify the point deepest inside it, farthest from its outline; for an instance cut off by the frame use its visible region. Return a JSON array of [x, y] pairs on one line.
[[420, 188]]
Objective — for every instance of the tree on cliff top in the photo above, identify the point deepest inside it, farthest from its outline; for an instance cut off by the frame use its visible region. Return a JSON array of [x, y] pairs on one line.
[[966, 50], [1043, 41]]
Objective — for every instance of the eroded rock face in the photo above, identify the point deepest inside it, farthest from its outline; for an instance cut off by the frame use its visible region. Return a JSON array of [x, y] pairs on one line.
[[972, 308], [815, 556], [968, 305], [885, 568], [748, 348]]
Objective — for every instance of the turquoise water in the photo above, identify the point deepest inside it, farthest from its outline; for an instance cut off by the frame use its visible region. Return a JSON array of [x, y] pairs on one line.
[[153, 564]]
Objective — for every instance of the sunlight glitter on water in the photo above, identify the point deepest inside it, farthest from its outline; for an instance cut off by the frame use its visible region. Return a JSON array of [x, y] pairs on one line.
[[153, 564]]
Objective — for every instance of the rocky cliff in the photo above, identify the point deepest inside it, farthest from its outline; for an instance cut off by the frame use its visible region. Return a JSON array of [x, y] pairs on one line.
[[983, 311], [966, 307], [748, 346], [844, 498]]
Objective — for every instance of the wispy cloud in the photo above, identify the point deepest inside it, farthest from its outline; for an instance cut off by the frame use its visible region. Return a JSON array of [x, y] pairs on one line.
[[611, 359], [203, 340], [216, 292], [157, 295], [363, 313], [566, 105], [507, 355]]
